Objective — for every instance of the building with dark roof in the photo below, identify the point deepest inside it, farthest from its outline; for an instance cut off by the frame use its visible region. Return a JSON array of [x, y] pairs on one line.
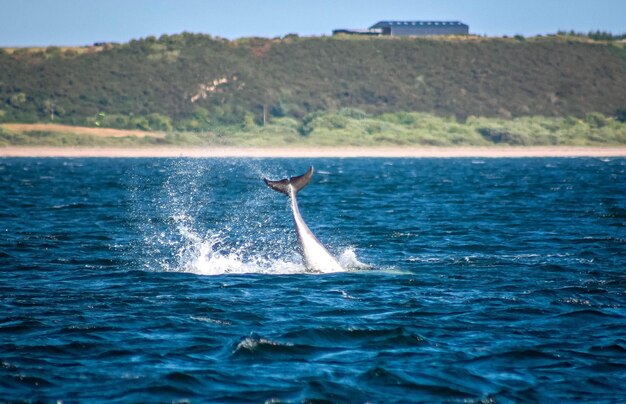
[[410, 28], [373, 31], [421, 28]]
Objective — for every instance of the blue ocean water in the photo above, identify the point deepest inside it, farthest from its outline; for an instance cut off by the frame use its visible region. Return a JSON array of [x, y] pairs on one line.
[[177, 280]]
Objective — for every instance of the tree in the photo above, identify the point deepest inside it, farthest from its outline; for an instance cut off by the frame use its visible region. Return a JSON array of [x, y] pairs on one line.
[[18, 99], [248, 121], [49, 108]]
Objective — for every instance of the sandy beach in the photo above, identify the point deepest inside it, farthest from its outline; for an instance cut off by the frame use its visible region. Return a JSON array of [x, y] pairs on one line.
[[318, 151]]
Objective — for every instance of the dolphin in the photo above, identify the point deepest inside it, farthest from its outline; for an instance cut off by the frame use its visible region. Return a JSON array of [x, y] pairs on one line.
[[316, 256]]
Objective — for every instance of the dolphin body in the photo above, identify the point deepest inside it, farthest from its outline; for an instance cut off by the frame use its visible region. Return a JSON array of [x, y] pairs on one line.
[[316, 256]]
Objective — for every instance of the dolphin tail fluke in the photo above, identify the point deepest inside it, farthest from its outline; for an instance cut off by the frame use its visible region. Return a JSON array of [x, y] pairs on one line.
[[297, 183]]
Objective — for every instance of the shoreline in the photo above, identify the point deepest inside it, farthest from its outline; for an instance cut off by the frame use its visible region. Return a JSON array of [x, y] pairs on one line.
[[315, 151]]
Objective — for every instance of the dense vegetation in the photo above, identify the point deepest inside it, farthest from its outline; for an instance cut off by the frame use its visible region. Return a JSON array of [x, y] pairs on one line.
[[351, 127], [195, 83]]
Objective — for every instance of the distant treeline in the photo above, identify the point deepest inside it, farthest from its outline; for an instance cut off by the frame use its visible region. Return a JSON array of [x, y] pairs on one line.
[[595, 35], [192, 82]]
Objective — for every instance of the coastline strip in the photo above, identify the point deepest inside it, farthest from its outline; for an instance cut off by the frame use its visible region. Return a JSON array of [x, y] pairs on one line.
[[315, 151]]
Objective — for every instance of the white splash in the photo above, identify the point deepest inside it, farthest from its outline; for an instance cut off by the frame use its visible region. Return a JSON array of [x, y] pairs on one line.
[[349, 260], [207, 256]]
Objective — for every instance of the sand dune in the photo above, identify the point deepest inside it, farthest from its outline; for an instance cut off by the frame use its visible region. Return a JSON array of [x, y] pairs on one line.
[[79, 130]]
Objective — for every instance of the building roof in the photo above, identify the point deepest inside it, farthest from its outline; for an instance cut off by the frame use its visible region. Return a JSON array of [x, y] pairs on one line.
[[381, 24], [361, 31]]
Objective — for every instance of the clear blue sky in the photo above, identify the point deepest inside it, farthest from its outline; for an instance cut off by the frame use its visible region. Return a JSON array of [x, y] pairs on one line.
[[80, 22]]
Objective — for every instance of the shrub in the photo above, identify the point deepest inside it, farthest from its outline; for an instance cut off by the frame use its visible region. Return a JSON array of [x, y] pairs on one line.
[[140, 122], [308, 123], [53, 51], [248, 122], [501, 135], [353, 113], [596, 120], [160, 122], [402, 118], [337, 121], [278, 111], [17, 100], [118, 121]]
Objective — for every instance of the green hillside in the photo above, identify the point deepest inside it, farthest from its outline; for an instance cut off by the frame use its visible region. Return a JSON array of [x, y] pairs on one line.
[[195, 82]]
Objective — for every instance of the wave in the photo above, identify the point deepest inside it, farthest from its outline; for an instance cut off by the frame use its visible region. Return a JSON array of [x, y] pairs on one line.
[[589, 314], [352, 336], [257, 346], [433, 386]]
